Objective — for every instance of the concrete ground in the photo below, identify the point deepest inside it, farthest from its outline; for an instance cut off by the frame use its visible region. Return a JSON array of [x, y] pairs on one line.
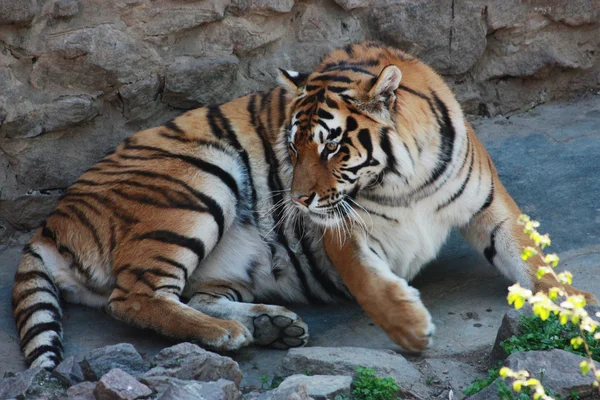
[[549, 160]]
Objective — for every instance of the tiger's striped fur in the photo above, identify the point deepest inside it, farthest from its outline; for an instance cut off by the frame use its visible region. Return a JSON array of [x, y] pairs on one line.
[[347, 179]]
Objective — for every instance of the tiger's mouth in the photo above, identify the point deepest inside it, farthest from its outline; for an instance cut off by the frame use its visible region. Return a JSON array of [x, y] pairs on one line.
[[328, 215]]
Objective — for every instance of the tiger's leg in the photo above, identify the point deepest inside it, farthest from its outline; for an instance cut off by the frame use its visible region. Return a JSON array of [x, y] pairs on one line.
[[152, 268], [270, 325], [388, 299], [146, 295], [495, 232]]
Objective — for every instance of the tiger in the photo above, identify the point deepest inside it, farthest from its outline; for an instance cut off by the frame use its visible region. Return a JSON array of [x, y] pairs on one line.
[[337, 184]]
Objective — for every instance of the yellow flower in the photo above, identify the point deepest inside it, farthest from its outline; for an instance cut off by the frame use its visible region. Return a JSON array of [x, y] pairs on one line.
[[517, 385], [541, 310], [551, 259], [565, 278], [544, 240], [554, 292], [517, 295], [528, 252], [576, 342], [532, 382], [542, 271], [585, 367]]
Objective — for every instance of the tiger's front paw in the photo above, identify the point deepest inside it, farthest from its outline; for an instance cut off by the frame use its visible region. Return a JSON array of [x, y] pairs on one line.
[[405, 319]]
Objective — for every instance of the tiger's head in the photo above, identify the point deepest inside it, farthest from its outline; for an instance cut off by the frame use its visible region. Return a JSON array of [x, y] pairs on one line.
[[338, 134]]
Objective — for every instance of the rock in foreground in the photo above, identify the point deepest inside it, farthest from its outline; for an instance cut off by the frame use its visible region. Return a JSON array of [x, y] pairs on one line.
[[557, 369], [219, 390], [320, 387], [345, 360], [187, 361], [119, 385], [100, 361]]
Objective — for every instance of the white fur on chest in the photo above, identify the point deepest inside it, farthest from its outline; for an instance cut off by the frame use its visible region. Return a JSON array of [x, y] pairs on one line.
[[408, 244]]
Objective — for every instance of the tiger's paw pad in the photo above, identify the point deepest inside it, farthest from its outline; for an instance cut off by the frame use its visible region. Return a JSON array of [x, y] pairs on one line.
[[280, 332]]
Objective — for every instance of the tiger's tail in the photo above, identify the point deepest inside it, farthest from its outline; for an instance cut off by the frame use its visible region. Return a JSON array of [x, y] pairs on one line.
[[37, 312]]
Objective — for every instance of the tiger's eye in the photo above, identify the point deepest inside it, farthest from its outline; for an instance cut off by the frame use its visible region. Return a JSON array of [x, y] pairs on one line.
[[331, 146]]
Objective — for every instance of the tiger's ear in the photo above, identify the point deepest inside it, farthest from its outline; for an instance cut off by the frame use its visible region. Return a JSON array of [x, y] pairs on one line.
[[291, 80], [386, 83]]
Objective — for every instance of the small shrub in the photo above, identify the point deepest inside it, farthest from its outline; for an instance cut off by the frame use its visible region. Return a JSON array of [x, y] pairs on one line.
[[547, 335], [367, 386], [481, 383]]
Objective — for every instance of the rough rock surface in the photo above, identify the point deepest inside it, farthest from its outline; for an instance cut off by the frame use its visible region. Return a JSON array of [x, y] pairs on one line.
[[297, 392], [320, 387], [78, 76], [123, 356], [187, 361], [560, 370], [219, 390], [68, 372], [449, 374], [119, 385], [20, 384], [345, 360], [82, 391]]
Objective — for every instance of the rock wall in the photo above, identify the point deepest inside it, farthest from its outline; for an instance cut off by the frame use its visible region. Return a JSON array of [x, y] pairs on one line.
[[78, 76]]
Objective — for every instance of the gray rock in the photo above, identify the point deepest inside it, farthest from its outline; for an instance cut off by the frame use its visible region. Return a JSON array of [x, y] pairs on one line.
[[320, 387], [248, 33], [318, 24], [515, 14], [190, 362], [89, 60], [82, 391], [508, 328], [297, 392], [488, 393], [167, 18], [68, 372], [558, 370], [452, 42], [345, 360], [219, 390], [261, 7], [141, 98], [12, 12], [348, 5], [159, 384], [18, 385], [66, 8], [119, 385], [451, 374], [123, 356], [191, 82], [529, 56], [25, 212], [64, 112]]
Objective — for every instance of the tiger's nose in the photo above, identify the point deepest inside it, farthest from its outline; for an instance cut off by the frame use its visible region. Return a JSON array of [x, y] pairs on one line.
[[304, 199]]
